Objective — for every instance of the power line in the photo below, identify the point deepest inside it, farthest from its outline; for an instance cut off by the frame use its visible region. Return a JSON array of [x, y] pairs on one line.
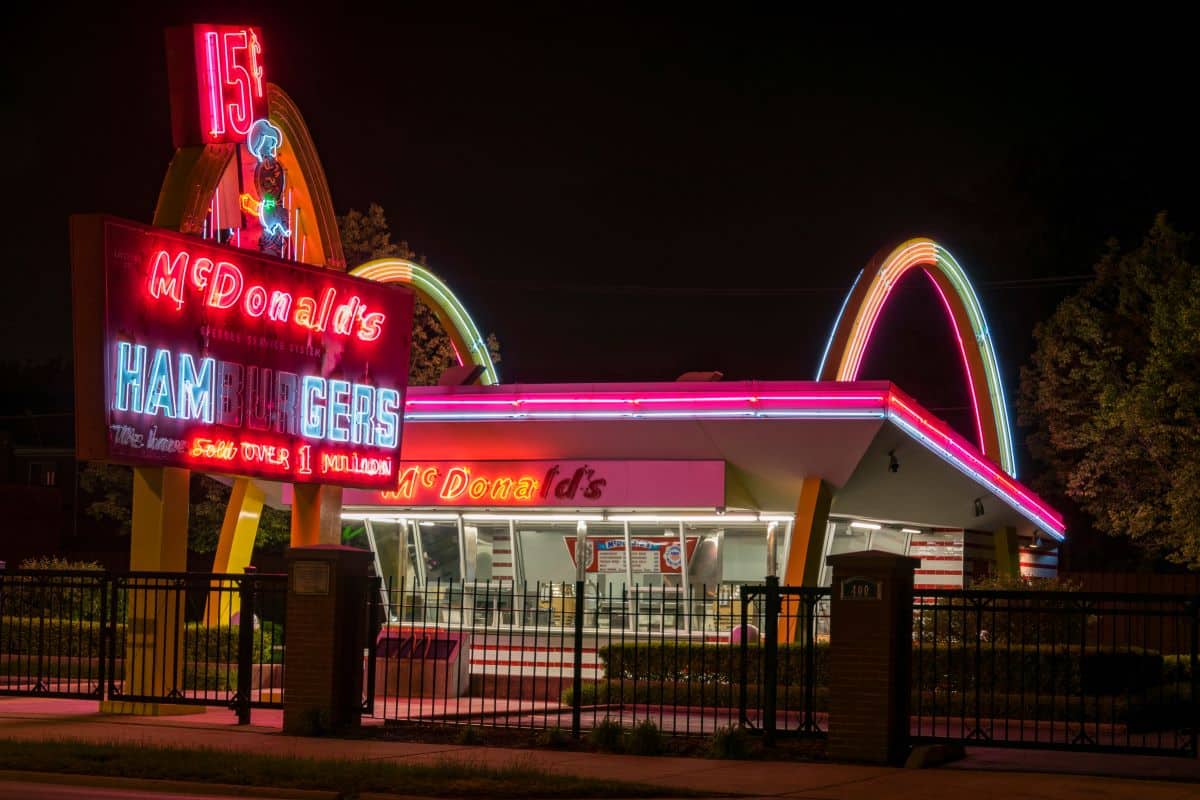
[[1050, 282]]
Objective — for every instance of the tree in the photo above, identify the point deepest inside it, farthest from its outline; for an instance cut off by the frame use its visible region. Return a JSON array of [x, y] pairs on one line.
[[1112, 395], [366, 237], [110, 487]]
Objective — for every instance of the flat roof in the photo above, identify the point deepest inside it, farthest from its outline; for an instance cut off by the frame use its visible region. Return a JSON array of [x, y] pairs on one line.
[[771, 434]]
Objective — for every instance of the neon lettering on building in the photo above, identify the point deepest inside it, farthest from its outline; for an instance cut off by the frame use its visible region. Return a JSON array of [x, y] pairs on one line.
[[548, 484]]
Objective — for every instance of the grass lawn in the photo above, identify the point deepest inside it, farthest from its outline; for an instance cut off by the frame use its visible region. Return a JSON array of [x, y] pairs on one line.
[[444, 779]]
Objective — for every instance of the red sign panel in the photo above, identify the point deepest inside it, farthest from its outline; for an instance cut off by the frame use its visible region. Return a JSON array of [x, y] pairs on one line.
[[216, 81], [541, 484], [198, 355], [647, 554]]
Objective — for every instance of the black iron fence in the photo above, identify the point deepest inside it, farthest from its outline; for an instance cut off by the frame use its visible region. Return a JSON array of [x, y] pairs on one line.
[[1057, 670], [140, 637], [572, 656]]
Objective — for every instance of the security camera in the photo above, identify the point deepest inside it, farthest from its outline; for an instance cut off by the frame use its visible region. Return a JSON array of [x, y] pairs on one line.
[[893, 464]]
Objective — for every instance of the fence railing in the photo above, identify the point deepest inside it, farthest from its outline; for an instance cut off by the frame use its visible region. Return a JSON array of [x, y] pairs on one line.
[[1057, 670], [176, 638], [570, 656], [786, 672]]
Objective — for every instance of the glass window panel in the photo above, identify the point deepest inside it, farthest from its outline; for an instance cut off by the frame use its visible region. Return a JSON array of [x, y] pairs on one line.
[[439, 544]]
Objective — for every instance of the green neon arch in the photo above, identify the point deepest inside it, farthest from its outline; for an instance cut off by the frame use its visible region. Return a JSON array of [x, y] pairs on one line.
[[469, 344]]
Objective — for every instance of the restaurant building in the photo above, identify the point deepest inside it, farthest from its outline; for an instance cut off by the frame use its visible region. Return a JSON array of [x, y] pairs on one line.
[[236, 340]]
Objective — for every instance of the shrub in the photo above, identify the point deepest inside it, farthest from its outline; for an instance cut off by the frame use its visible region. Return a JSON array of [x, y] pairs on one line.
[[645, 740], [606, 736], [1177, 668], [699, 663], [1046, 669], [79, 596], [554, 738], [469, 735], [709, 671], [671, 693], [58, 638], [729, 742]]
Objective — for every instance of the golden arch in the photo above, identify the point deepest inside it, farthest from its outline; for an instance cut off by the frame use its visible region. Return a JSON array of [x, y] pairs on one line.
[[193, 177], [851, 334]]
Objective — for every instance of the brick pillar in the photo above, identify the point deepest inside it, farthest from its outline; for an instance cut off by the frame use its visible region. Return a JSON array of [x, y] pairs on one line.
[[326, 634], [870, 656]]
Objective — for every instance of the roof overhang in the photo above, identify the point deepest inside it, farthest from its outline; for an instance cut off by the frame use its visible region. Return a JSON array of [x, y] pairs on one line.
[[770, 434]]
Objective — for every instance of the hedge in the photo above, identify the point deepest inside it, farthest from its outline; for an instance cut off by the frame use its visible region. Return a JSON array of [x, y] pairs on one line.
[[1161, 708], [81, 639], [1051, 670], [707, 694], [671, 661], [1045, 670]]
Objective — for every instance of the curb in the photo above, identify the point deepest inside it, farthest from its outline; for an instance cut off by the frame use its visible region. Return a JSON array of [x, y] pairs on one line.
[[161, 785]]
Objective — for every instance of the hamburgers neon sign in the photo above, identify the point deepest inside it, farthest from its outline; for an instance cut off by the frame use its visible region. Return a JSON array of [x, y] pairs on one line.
[[219, 358]]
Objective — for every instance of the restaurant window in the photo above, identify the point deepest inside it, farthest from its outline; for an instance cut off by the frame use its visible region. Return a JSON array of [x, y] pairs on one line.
[[440, 550]]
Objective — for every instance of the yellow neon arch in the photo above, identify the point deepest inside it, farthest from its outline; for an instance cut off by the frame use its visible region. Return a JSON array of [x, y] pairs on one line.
[[468, 342], [194, 175], [851, 334]]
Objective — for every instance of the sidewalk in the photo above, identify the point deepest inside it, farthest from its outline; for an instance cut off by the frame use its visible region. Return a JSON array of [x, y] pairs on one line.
[[23, 718]]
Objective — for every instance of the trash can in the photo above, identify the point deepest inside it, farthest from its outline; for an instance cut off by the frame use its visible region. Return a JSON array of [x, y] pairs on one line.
[[415, 662]]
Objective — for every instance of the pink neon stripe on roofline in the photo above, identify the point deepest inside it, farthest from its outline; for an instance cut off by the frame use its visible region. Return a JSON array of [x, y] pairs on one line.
[[637, 400], [983, 467]]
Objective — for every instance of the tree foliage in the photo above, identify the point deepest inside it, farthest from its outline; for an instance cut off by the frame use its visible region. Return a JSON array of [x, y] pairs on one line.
[[366, 237], [1112, 395], [110, 488]]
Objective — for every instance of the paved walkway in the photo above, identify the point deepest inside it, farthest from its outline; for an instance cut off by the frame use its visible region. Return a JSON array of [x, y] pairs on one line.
[[23, 718]]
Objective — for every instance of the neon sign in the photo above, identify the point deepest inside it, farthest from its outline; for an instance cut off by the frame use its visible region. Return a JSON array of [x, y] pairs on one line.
[[270, 178], [221, 285], [538, 484], [193, 354], [216, 80]]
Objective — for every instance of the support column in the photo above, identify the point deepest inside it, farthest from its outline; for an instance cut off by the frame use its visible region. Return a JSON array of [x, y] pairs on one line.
[[870, 656], [327, 629], [154, 617], [316, 515], [234, 547], [807, 548], [1008, 556], [808, 533]]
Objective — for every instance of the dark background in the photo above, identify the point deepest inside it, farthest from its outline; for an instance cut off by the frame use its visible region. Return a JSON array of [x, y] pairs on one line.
[[628, 195]]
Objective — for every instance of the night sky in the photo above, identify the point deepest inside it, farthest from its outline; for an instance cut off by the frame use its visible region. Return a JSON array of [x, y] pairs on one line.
[[626, 196]]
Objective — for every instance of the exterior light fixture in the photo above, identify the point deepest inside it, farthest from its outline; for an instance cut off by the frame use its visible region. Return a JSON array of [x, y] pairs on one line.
[[893, 464], [909, 530], [979, 506], [866, 526]]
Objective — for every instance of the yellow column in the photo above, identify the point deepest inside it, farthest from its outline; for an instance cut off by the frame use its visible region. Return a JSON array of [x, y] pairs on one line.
[[154, 627], [234, 548], [316, 515], [1008, 557], [808, 546], [808, 533]]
